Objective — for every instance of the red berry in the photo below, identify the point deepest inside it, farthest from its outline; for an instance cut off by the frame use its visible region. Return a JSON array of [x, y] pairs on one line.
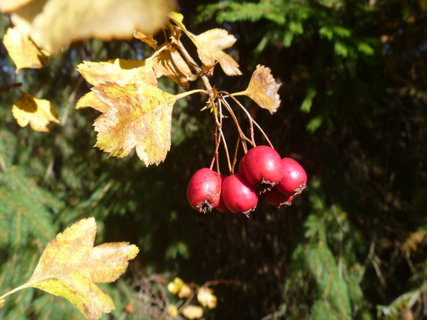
[[204, 190], [277, 199], [238, 195], [294, 178], [262, 168], [221, 207]]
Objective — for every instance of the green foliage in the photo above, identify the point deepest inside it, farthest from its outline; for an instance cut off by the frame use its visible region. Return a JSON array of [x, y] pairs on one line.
[[352, 246]]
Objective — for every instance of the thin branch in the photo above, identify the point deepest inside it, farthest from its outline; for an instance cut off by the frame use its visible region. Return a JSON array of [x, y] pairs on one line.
[[252, 120]]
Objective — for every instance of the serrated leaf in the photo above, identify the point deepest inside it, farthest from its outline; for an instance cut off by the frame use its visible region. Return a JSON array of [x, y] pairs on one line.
[[36, 112], [23, 51], [70, 266], [263, 89], [210, 46], [54, 24], [135, 116], [11, 5], [171, 64], [120, 71]]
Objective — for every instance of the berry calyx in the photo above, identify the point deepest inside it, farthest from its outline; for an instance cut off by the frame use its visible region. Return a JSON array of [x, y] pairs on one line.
[[277, 199], [204, 190], [294, 179], [262, 168], [238, 195]]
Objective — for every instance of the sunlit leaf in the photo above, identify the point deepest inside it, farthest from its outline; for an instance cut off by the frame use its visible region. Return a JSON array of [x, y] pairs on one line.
[[23, 51], [263, 89], [206, 297], [11, 5], [210, 46], [175, 285], [172, 310], [192, 312], [36, 112], [135, 116], [70, 266], [185, 291], [171, 64], [120, 71], [54, 24], [148, 39]]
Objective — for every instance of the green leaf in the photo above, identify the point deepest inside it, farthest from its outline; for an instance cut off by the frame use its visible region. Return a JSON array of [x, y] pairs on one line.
[[308, 101], [341, 49], [314, 124]]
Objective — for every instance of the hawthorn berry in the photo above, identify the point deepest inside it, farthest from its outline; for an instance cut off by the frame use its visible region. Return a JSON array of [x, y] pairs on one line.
[[262, 168], [238, 195], [204, 190], [277, 199], [294, 179], [221, 207]]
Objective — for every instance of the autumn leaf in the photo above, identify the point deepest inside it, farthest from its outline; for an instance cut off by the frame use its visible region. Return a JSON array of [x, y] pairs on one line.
[[120, 71], [11, 5], [70, 266], [134, 116], [171, 64], [23, 51], [192, 312], [206, 297], [146, 38], [210, 46], [54, 24], [36, 112], [263, 89]]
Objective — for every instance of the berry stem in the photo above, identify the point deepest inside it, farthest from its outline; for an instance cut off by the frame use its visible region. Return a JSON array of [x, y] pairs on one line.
[[219, 124], [252, 120], [239, 129], [236, 150]]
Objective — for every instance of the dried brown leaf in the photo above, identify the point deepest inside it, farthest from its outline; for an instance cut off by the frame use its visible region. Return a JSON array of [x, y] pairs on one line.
[[263, 89]]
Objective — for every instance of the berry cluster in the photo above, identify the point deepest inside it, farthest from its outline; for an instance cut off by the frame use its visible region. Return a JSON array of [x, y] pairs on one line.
[[261, 172]]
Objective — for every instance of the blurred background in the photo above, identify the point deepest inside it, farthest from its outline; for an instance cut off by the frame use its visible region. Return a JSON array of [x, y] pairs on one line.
[[353, 113]]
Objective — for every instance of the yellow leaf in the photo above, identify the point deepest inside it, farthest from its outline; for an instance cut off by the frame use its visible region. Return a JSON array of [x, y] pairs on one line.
[[171, 64], [148, 39], [175, 285], [263, 89], [90, 100], [206, 298], [136, 116], [172, 310], [210, 46], [23, 51], [37, 112], [70, 266], [11, 5], [192, 312], [120, 71], [185, 291], [54, 24]]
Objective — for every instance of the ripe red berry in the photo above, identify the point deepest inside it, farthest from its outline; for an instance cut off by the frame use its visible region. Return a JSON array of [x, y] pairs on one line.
[[262, 168], [294, 177], [238, 195], [204, 190], [221, 207], [277, 199]]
